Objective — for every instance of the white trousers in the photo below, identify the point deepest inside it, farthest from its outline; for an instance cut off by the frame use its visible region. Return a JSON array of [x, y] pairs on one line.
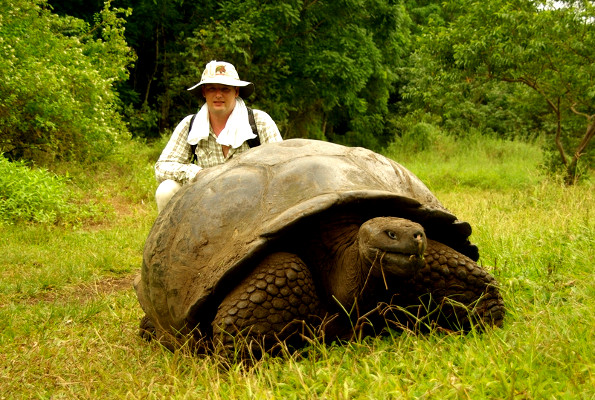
[[165, 192]]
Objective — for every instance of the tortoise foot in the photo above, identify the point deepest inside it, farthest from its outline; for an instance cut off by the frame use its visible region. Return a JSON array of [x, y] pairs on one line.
[[146, 329], [273, 304]]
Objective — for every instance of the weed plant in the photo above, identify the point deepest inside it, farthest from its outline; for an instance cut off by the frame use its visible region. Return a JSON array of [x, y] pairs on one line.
[[37, 195], [69, 315]]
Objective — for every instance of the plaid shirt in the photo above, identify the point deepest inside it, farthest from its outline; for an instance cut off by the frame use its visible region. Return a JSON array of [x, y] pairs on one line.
[[175, 161]]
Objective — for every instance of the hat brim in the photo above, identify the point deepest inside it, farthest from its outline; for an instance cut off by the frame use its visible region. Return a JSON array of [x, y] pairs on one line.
[[246, 88]]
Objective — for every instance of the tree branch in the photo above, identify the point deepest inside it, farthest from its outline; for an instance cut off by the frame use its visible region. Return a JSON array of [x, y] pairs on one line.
[[559, 133], [588, 134]]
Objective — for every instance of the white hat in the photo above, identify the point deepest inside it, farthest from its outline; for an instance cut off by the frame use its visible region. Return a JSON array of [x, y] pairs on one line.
[[224, 73]]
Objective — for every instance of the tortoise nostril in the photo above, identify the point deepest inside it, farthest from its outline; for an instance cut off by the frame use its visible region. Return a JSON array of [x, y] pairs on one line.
[[421, 243]]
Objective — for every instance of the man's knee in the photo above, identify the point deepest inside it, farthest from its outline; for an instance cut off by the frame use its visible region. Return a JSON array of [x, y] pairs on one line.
[[165, 192]]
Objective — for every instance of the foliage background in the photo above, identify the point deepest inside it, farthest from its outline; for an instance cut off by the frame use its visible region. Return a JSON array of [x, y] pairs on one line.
[[78, 80], [57, 99], [80, 76]]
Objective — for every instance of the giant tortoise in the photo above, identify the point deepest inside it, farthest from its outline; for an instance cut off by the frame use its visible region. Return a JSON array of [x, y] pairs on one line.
[[305, 236]]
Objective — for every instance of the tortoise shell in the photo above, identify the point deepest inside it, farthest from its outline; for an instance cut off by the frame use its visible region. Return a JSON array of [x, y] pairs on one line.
[[215, 227]]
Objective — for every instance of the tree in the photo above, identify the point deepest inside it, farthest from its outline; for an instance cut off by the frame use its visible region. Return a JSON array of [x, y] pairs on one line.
[[326, 68], [550, 50], [57, 75], [322, 68]]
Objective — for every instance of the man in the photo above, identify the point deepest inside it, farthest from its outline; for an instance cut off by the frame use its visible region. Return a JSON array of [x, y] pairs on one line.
[[219, 131]]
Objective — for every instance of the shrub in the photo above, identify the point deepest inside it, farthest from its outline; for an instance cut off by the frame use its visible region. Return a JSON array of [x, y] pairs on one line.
[[31, 194], [39, 196], [57, 99]]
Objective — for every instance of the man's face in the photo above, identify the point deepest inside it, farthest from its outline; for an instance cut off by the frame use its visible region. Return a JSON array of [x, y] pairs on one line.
[[221, 99]]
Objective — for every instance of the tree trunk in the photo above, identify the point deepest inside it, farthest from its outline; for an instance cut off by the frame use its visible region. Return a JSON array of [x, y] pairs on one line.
[[571, 168]]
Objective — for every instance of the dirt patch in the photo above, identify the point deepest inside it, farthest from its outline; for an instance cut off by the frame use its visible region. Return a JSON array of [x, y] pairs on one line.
[[85, 291], [119, 208], [108, 285]]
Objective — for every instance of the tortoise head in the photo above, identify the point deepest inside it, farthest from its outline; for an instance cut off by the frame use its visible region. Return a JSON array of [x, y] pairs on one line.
[[392, 246]]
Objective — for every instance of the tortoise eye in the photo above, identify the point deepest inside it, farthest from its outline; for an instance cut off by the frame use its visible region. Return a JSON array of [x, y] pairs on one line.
[[391, 234]]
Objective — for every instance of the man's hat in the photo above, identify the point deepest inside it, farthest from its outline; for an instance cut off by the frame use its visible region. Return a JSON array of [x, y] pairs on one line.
[[224, 73]]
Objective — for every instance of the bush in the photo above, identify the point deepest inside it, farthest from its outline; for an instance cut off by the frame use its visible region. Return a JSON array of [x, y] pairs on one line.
[[421, 136], [39, 196], [31, 195], [57, 99]]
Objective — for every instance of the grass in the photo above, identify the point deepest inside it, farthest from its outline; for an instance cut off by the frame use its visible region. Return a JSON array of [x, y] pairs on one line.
[[69, 314], [477, 161]]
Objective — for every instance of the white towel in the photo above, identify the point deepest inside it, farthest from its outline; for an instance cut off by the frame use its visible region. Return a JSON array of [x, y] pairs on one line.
[[237, 129]]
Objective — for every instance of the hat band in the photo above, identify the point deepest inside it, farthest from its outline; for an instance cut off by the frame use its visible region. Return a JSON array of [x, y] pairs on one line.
[[222, 80]]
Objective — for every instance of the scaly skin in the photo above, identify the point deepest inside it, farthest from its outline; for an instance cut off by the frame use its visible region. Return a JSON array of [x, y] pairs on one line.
[[449, 274], [269, 305], [274, 301]]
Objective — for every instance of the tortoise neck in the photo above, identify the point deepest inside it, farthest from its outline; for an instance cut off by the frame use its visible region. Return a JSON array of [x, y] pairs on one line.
[[343, 268], [334, 248]]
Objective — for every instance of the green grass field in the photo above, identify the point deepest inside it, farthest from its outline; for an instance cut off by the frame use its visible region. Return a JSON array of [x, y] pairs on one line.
[[69, 315]]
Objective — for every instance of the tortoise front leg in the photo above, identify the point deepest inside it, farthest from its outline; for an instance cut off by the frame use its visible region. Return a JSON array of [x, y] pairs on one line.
[[462, 293], [270, 305]]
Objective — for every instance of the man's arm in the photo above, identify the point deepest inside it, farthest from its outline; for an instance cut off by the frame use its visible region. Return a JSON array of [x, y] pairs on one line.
[[175, 161], [267, 129]]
